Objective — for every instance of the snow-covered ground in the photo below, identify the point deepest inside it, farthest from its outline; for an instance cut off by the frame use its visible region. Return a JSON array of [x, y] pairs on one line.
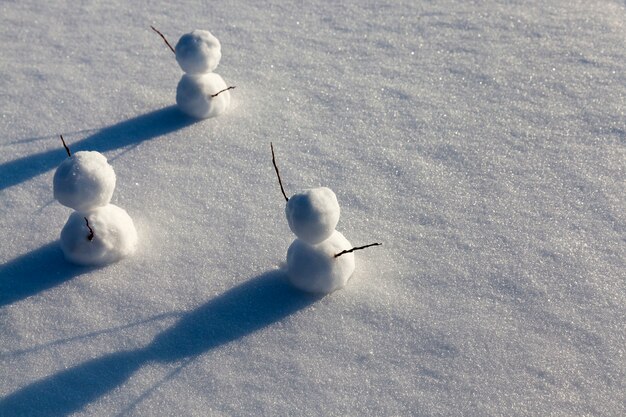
[[484, 142]]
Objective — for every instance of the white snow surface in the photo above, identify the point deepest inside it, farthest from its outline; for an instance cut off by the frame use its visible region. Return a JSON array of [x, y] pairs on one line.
[[198, 52], [315, 269], [114, 236], [194, 95], [84, 181], [313, 214], [482, 142]]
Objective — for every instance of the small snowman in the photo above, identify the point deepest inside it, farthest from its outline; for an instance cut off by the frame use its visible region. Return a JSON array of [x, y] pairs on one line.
[[201, 93], [97, 232], [320, 259]]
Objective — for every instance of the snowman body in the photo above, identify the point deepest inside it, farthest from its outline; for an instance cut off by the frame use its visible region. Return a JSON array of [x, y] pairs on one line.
[[114, 236], [193, 95]]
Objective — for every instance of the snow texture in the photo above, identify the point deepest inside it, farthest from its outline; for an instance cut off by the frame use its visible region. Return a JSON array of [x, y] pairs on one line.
[[313, 214], [198, 52], [194, 95], [114, 236], [483, 142], [84, 181], [314, 268]]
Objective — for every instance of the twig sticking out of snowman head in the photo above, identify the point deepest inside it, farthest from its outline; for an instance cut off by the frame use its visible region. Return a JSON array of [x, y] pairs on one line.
[[164, 39], [65, 146], [280, 182]]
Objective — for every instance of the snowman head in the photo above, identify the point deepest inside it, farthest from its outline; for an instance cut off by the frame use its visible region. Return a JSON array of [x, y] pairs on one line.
[[313, 214], [84, 181], [198, 52]]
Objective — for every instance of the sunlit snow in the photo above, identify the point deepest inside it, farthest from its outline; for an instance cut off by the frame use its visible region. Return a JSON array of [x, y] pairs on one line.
[[482, 142]]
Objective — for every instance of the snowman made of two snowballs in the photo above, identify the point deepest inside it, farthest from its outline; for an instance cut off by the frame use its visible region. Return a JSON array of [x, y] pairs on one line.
[[312, 264], [97, 232], [320, 260], [200, 93]]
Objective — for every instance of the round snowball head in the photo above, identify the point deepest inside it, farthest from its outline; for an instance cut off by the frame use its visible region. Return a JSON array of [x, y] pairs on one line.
[[193, 95], [84, 181], [198, 52], [114, 236], [314, 268], [313, 214]]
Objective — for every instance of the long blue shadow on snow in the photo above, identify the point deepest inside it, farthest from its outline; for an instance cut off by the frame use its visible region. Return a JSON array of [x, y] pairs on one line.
[[138, 129], [34, 272], [242, 310]]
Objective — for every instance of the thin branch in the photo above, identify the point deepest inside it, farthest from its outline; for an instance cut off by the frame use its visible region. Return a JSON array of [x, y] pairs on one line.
[[65, 146], [221, 91], [359, 248], [163, 36], [91, 233], [277, 173]]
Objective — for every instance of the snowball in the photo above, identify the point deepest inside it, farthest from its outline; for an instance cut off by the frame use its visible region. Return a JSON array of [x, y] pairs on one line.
[[84, 181], [114, 237], [198, 52], [314, 268], [313, 214], [193, 95]]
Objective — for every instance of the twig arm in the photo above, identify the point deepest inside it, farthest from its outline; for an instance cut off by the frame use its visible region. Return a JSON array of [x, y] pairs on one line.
[[221, 91], [91, 233], [357, 248]]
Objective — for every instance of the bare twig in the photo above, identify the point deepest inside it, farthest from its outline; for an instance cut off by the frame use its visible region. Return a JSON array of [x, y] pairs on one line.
[[91, 233], [353, 249], [221, 91], [65, 146], [277, 173], [164, 39]]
